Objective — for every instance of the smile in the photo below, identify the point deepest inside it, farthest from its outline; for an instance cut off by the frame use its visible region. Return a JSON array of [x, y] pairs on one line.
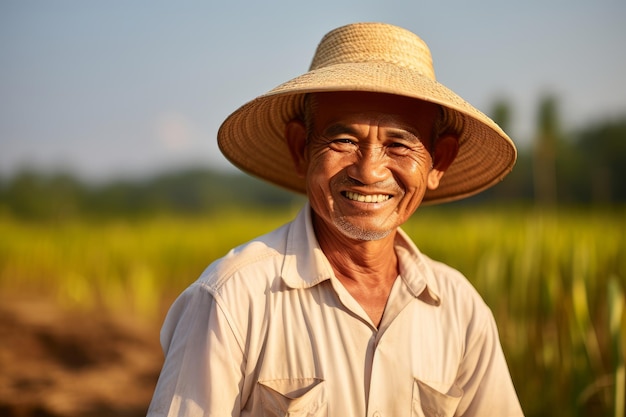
[[370, 198]]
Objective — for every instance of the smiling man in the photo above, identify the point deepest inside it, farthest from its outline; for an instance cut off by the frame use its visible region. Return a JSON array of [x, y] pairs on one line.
[[338, 313]]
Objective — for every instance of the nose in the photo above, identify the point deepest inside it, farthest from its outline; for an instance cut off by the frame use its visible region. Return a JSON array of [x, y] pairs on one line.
[[369, 166]]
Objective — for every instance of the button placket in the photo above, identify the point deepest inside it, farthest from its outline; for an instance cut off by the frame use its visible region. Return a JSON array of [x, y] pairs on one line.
[[376, 378]]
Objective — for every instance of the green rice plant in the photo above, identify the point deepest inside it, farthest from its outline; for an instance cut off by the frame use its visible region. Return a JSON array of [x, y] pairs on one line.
[[617, 328], [120, 265], [555, 280]]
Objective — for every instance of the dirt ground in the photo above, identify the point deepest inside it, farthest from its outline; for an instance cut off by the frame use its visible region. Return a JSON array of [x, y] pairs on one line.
[[56, 362]]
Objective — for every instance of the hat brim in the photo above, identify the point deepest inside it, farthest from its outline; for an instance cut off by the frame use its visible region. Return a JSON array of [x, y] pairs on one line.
[[252, 137]]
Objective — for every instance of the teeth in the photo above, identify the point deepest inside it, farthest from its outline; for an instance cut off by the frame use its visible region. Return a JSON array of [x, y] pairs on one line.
[[376, 198]]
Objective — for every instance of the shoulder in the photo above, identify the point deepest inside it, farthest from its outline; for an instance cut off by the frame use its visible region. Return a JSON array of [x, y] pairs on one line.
[[449, 277], [234, 287], [456, 291], [252, 264]]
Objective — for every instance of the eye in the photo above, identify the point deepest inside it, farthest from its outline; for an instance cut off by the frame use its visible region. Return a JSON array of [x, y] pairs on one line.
[[399, 148], [342, 144], [398, 145], [343, 141]]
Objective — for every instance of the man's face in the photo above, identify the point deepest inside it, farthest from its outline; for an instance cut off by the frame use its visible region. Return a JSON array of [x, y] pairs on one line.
[[367, 161]]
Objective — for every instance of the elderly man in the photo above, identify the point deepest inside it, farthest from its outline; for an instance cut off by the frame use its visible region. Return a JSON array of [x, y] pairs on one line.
[[338, 313]]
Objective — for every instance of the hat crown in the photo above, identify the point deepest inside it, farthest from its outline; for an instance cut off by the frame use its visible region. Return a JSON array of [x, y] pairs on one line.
[[374, 43]]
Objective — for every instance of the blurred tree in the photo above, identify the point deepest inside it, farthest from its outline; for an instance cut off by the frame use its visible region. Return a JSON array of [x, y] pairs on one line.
[[58, 196], [603, 149], [571, 172], [501, 114], [547, 139], [34, 195], [517, 186]]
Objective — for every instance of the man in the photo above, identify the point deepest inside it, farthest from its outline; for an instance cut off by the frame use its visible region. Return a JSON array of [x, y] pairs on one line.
[[338, 313]]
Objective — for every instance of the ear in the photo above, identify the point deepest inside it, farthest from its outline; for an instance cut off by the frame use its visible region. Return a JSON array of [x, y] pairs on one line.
[[446, 148], [295, 133]]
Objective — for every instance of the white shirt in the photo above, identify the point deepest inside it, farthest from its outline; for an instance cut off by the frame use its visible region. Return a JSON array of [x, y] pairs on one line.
[[269, 330]]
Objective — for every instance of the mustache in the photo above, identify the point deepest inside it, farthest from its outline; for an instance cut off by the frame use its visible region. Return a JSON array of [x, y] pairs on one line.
[[345, 181]]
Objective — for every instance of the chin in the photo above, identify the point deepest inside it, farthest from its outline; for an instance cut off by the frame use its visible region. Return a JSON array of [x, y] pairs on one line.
[[358, 233]]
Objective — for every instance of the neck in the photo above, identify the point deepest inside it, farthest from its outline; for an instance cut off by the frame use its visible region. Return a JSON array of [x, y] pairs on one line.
[[369, 263], [367, 269]]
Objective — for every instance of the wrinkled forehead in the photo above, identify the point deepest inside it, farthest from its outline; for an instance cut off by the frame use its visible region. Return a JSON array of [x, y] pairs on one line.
[[385, 110]]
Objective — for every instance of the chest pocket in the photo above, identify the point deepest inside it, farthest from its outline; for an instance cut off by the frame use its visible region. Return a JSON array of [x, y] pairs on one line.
[[304, 397], [428, 402]]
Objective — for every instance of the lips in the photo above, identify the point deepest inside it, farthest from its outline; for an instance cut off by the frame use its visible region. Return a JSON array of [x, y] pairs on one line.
[[366, 198]]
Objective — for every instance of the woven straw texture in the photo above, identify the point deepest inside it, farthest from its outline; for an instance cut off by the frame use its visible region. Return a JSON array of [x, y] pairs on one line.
[[372, 57]]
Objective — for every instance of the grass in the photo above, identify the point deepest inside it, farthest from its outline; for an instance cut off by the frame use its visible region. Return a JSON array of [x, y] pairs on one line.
[[556, 281]]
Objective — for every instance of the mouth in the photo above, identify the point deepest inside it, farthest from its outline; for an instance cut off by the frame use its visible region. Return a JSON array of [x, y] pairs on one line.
[[366, 198]]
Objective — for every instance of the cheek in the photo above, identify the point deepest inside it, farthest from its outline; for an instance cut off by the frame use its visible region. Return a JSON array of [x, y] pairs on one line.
[[323, 166], [318, 176], [413, 172], [413, 178]]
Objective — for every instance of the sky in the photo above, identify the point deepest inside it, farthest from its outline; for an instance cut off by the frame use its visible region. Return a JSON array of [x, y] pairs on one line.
[[109, 89]]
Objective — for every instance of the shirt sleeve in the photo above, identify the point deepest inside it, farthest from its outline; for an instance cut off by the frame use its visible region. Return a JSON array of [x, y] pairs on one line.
[[202, 373], [484, 376]]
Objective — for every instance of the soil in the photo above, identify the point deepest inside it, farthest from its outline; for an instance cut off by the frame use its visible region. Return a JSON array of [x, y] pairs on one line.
[[58, 362]]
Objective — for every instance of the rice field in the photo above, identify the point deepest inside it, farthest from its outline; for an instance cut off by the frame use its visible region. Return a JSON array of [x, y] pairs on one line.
[[555, 280]]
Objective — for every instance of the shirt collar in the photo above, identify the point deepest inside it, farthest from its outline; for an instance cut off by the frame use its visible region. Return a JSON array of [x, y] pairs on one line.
[[416, 273], [305, 265]]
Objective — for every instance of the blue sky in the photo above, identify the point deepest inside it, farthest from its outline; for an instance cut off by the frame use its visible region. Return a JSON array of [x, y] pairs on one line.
[[116, 88]]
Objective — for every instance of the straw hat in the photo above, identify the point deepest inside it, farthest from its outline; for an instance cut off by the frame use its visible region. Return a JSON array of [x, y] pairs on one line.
[[372, 57]]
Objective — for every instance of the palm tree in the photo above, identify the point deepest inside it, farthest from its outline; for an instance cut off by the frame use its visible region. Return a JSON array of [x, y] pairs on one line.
[[544, 156]]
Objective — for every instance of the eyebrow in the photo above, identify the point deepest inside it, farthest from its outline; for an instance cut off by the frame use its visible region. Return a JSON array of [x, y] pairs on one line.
[[339, 129], [403, 133]]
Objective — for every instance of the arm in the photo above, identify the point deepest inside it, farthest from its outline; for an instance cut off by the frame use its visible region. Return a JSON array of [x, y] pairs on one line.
[[202, 374], [484, 376]]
